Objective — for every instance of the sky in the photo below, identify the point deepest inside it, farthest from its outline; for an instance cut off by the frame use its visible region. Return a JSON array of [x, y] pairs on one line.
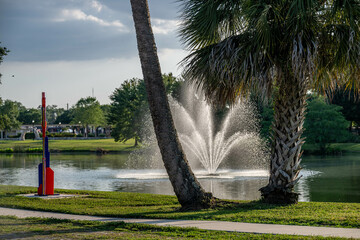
[[70, 49]]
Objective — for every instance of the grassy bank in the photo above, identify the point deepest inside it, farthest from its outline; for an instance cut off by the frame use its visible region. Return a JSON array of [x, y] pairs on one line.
[[36, 228], [334, 148], [138, 205], [91, 145], [94, 145]]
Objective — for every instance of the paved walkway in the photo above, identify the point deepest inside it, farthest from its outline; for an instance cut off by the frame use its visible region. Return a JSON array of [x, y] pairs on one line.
[[208, 225]]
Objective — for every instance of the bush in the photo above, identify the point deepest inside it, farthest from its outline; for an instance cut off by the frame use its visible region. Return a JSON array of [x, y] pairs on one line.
[[324, 124], [79, 135], [6, 150], [29, 135], [63, 134], [91, 135], [102, 135], [34, 150], [15, 136]]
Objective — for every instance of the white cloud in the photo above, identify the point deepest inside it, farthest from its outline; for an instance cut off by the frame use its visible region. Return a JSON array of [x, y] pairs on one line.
[[96, 5], [68, 81], [77, 14], [162, 26]]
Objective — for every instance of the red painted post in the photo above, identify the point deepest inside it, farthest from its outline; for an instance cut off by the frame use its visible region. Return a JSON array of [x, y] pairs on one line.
[[43, 125]]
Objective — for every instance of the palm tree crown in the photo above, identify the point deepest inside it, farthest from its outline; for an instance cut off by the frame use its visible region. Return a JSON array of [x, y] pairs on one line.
[[245, 44]]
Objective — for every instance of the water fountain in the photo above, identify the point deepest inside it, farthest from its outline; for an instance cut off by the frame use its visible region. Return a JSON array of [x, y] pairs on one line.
[[210, 142]]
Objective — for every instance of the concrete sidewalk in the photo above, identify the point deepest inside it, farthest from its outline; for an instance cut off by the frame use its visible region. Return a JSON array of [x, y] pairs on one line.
[[207, 225]]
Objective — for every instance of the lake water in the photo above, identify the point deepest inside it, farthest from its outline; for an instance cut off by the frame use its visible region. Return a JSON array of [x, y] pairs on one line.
[[331, 179]]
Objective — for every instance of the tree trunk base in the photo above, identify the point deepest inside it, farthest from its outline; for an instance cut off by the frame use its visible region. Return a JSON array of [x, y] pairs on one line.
[[207, 201], [278, 196]]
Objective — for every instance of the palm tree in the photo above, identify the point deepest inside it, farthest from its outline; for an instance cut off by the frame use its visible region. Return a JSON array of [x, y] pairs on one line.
[[292, 45], [187, 189]]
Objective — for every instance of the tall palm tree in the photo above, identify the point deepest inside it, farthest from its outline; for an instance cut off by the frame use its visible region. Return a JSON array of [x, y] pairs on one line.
[[293, 45], [187, 189]]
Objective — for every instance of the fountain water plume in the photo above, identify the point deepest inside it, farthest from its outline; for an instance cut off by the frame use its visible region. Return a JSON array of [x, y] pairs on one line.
[[206, 142], [194, 121]]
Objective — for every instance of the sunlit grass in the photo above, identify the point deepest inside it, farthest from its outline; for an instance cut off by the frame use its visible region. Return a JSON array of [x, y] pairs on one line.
[[90, 145], [140, 205], [36, 228]]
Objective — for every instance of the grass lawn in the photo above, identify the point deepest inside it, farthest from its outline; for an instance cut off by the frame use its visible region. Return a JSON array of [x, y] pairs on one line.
[[110, 145], [334, 147], [36, 228], [139, 205], [90, 145]]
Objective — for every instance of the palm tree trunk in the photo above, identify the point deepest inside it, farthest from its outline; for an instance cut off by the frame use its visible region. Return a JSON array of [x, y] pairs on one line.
[[187, 189], [287, 128]]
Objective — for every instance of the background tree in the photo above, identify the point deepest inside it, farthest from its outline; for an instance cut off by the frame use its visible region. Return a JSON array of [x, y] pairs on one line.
[[324, 124], [293, 45], [3, 52], [349, 100], [66, 117], [128, 105], [88, 112], [52, 112], [187, 189], [27, 116], [9, 112]]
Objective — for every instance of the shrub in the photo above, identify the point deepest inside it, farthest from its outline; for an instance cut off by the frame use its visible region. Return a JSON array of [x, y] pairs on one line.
[[15, 136], [324, 124], [79, 135], [29, 135], [34, 150], [102, 135], [6, 150], [91, 135]]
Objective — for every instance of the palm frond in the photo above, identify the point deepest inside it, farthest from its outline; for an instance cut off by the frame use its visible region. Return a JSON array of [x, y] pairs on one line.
[[229, 68], [207, 22]]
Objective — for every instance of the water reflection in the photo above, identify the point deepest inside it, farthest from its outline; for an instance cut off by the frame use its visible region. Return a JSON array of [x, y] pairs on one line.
[[330, 179]]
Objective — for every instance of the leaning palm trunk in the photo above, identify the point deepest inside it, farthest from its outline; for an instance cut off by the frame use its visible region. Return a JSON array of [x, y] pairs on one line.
[[290, 105], [187, 189]]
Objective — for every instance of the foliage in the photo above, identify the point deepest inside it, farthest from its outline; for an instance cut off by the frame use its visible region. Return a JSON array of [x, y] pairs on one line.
[[140, 205], [9, 112], [349, 100], [30, 135], [27, 116], [65, 117], [240, 45], [87, 111], [52, 112], [324, 124], [129, 105], [62, 134], [3, 52]]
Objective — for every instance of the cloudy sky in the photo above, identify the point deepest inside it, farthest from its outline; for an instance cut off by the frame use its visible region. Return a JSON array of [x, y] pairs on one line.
[[68, 48]]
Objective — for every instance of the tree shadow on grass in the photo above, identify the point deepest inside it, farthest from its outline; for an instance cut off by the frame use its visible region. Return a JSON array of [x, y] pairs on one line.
[[222, 207], [75, 227]]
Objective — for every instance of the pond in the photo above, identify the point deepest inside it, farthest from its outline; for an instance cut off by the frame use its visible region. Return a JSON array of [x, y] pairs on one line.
[[330, 179]]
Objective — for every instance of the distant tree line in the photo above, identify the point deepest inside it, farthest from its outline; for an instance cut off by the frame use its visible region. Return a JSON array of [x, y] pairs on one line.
[[124, 115]]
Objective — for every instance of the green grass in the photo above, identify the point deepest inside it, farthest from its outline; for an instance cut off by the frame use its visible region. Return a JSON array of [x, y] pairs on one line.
[[334, 148], [90, 145], [139, 205], [36, 228]]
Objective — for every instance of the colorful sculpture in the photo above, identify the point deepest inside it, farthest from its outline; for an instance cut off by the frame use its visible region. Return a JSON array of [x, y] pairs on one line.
[[46, 174]]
